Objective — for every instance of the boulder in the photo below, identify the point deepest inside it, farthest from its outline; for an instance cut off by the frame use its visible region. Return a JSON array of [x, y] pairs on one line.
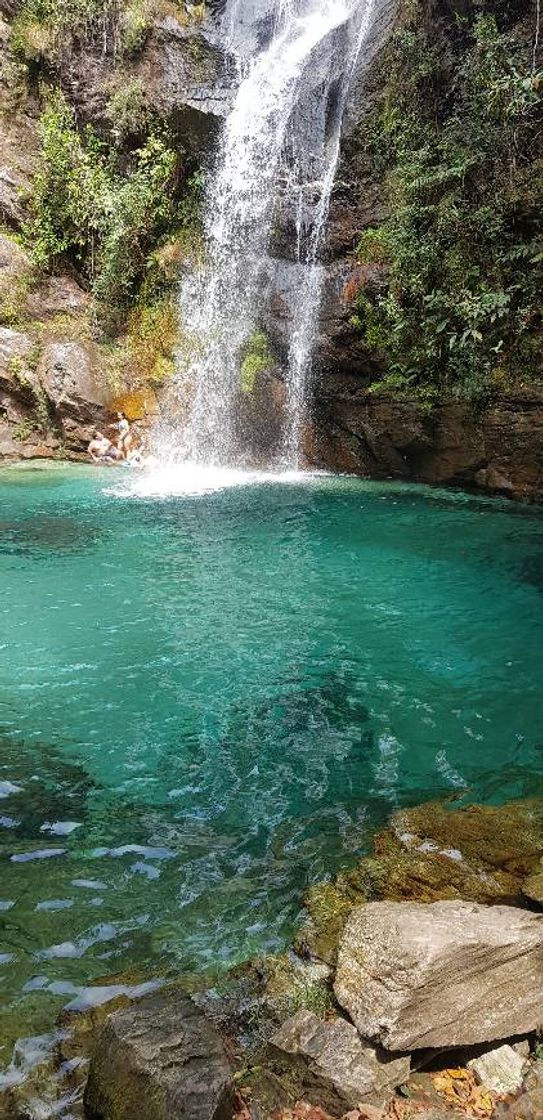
[[501, 1070], [447, 974], [68, 373], [159, 1059], [339, 1064], [57, 294]]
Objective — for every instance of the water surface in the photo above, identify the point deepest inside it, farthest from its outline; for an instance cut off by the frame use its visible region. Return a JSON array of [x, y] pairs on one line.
[[210, 699]]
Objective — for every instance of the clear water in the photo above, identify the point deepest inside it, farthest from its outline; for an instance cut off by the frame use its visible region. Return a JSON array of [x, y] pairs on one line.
[[210, 697]]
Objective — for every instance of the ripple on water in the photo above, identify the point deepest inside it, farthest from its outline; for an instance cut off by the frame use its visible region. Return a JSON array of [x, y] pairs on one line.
[[217, 690]]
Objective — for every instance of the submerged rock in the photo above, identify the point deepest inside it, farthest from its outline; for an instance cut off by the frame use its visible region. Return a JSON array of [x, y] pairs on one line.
[[338, 1064], [159, 1059], [430, 853], [442, 975], [328, 906]]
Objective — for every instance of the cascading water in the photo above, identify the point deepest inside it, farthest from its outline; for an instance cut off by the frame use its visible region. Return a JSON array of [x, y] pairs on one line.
[[307, 57]]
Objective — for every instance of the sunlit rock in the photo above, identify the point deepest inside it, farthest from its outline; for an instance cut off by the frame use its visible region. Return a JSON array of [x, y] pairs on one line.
[[447, 974]]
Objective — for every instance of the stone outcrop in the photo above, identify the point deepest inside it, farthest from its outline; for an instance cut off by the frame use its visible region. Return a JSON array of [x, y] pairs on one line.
[[341, 1068], [69, 379], [51, 397], [159, 1059], [447, 974], [496, 448]]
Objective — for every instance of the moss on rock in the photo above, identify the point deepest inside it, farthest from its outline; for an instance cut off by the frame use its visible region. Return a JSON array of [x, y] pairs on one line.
[[481, 853]]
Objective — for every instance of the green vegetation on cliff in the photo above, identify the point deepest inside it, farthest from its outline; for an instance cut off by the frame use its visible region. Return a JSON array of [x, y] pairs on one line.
[[84, 206], [450, 295]]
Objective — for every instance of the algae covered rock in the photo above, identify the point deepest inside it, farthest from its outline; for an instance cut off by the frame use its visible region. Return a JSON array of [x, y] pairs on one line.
[[507, 838], [328, 906], [532, 887], [338, 1064], [159, 1059], [447, 974], [431, 853]]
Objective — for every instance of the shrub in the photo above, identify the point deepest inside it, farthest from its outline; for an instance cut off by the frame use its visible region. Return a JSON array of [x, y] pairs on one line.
[[457, 136], [44, 28], [127, 108], [84, 207], [135, 24]]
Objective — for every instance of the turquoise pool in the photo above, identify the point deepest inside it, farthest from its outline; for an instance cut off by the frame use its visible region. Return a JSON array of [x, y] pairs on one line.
[[213, 691]]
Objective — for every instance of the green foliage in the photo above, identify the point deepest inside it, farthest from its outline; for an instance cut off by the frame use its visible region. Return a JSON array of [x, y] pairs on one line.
[[140, 207], [373, 247], [44, 27], [106, 220], [256, 359], [24, 429], [71, 196], [135, 24], [457, 134], [127, 108]]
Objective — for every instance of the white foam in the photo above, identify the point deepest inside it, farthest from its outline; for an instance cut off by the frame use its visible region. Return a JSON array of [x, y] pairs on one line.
[[193, 479]]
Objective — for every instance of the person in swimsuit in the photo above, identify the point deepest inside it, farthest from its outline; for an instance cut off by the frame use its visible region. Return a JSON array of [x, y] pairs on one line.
[[124, 439], [101, 448]]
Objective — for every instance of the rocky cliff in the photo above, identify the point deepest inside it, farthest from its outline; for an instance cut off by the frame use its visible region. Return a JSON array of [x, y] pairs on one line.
[[428, 360], [108, 113]]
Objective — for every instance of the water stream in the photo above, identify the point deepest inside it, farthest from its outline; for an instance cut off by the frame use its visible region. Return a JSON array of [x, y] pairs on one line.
[[277, 155]]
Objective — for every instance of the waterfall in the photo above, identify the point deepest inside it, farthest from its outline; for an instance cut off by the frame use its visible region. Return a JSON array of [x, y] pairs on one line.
[[292, 69]]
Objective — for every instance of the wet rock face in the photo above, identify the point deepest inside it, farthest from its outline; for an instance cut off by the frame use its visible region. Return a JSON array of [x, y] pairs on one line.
[[338, 1065], [73, 389], [441, 975], [159, 1059], [498, 448]]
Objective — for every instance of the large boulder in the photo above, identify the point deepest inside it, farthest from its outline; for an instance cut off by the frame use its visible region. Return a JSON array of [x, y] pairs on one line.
[[447, 974], [57, 295], [157, 1060], [342, 1068], [68, 373]]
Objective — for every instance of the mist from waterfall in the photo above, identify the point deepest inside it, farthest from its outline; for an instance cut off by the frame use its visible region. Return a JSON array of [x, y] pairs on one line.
[[268, 159]]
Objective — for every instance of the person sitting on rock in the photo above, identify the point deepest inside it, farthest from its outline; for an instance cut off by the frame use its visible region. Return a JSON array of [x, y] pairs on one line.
[[101, 448], [124, 440]]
